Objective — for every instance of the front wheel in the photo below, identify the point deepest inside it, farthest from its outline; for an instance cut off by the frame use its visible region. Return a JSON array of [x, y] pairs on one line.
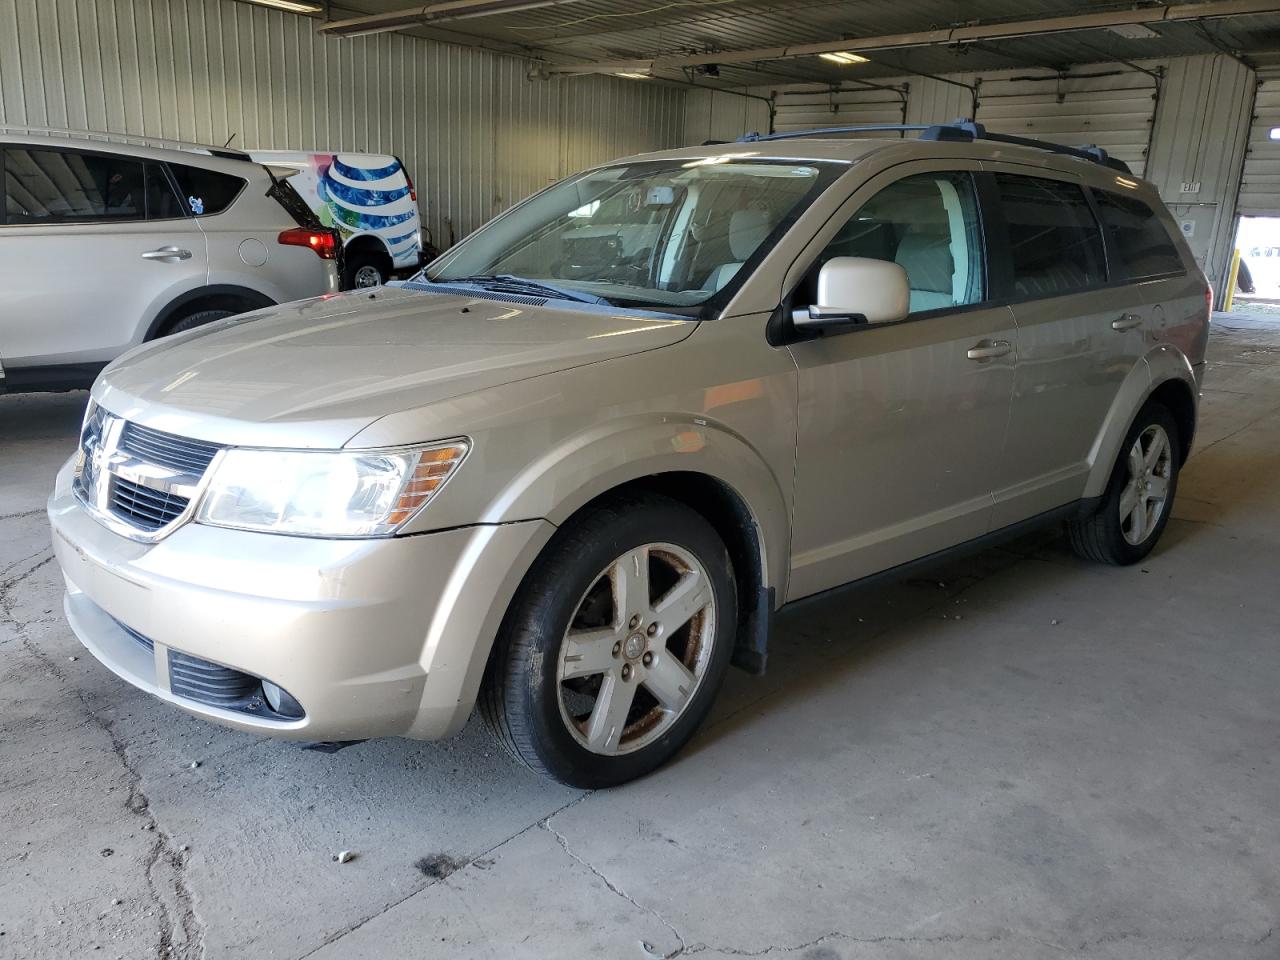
[[615, 645], [1139, 497]]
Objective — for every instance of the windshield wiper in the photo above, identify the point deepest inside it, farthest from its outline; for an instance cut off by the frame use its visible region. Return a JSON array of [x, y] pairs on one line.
[[513, 284]]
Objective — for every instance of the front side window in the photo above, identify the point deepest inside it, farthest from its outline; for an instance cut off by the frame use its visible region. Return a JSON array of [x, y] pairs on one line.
[[1139, 244], [659, 234], [928, 224], [52, 186], [1055, 245]]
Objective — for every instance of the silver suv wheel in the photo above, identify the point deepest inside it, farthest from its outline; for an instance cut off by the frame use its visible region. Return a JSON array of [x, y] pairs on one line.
[[1146, 494], [623, 684]]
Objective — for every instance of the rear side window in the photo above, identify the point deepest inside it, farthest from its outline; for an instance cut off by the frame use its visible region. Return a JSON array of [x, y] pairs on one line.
[[205, 192], [1138, 242], [52, 186], [1055, 244]]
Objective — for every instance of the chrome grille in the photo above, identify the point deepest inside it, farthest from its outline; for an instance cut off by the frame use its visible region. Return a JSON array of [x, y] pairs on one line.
[[137, 480], [144, 507], [177, 453]]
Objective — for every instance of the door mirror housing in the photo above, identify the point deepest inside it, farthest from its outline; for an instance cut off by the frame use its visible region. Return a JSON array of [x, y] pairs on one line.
[[855, 291]]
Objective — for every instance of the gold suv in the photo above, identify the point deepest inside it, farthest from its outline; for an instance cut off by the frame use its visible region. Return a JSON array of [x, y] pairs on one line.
[[572, 469]]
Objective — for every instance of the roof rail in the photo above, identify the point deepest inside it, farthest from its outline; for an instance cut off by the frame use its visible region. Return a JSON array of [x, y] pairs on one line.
[[134, 139], [821, 131], [967, 130], [957, 131]]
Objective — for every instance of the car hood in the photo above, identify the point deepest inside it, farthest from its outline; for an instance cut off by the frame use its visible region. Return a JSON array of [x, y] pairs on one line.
[[316, 372]]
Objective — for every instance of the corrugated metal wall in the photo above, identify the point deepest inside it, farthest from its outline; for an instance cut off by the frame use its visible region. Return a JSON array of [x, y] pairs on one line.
[[476, 134], [716, 115], [1199, 142]]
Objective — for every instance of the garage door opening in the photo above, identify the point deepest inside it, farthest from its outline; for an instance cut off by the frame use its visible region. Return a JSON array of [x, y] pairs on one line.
[[1257, 286]]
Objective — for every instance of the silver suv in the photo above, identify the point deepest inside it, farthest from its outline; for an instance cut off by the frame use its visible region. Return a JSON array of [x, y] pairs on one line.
[[105, 245], [574, 467]]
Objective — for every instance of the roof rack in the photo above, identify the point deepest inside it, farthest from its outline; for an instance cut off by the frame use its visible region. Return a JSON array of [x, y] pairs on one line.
[[957, 131], [134, 139]]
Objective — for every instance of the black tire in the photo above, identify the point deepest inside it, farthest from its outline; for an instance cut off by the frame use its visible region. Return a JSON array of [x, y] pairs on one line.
[[197, 319], [362, 269], [1101, 535], [521, 699]]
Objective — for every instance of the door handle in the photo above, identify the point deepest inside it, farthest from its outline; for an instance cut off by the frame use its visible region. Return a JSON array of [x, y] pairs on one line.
[[168, 254], [989, 350], [1126, 321]]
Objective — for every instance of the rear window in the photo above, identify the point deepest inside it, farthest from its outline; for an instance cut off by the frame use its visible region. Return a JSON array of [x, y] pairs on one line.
[[205, 192], [1054, 241], [1138, 242]]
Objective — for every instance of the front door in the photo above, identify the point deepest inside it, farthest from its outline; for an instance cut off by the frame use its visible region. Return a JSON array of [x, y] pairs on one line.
[[93, 242], [901, 426]]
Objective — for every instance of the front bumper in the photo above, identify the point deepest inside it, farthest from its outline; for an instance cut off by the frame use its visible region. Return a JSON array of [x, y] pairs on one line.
[[372, 637]]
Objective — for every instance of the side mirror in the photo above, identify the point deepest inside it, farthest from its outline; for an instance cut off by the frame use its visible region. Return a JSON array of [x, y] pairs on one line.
[[857, 290]]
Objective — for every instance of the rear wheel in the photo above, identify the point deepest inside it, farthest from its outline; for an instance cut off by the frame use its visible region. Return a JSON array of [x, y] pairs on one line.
[[616, 645], [362, 269], [197, 319], [1139, 497]]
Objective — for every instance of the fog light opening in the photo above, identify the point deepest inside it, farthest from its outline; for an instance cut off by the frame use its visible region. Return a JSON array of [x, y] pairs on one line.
[[281, 701]]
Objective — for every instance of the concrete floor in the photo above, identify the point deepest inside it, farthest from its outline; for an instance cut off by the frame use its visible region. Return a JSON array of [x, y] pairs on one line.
[[1017, 756]]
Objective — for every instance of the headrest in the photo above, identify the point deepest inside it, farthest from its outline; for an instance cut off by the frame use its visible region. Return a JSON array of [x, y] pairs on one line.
[[927, 259], [747, 230]]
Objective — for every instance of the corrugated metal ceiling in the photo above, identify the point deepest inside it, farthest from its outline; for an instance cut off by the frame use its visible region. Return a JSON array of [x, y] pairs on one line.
[[591, 30]]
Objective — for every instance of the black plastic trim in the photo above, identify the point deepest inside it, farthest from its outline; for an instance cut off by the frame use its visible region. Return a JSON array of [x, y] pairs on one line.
[[51, 378], [254, 299]]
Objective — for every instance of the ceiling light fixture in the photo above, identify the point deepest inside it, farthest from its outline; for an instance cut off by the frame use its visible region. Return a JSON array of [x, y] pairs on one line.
[[844, 59], [632, 75], [293, 6], [1134, 31]]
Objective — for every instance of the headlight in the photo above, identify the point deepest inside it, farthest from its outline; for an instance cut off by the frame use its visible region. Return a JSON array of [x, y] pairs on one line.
[[355, 493]]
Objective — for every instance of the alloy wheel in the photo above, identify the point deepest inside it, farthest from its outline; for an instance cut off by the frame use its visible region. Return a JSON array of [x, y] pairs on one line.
[[1146, 493], [637, 648]]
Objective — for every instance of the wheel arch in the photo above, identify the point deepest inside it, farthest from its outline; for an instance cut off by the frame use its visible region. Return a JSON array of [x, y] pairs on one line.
[[368, 243], [732, 518], [1164, 374], [243, 299]]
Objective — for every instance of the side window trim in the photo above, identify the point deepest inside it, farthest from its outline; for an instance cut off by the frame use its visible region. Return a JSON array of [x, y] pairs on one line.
[[4, 186]]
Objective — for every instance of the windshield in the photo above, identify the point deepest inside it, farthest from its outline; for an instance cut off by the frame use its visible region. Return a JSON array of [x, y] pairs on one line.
[[665, 235]]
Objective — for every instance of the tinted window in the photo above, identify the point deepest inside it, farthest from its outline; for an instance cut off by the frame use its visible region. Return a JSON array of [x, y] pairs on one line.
[[162, 202], [928, 224], [49, 186], [205, 192], [1139, 244], [1054, 242]]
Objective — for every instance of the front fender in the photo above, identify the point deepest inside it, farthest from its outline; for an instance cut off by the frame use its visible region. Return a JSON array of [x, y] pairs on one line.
[[608, 455], [1161, 364]]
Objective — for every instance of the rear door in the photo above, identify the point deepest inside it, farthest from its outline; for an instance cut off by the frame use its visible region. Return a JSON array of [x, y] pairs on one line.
[[901, 425], [1080, 333], [94, 244]]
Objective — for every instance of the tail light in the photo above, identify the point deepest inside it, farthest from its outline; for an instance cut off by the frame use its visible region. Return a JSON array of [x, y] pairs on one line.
[[1208, 301], [413, 193], [323, 242]]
